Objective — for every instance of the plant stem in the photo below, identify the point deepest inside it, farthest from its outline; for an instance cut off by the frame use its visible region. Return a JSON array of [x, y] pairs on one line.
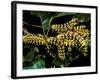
[[49, 25], [31, 25]]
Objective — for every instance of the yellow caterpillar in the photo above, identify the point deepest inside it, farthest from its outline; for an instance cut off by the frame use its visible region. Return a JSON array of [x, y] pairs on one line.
[[61, 52], [69, 36], [66, 26], [34, 39]]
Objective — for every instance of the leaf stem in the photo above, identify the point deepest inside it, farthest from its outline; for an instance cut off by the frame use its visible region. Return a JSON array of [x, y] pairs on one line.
[[49, 25]]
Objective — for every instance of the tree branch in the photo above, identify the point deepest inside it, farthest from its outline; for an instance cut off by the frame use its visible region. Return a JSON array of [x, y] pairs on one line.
[[25, 23]]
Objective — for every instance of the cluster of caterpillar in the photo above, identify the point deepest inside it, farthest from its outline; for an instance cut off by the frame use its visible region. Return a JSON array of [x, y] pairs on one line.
[[70, 39], [66, 26], [68, 36]]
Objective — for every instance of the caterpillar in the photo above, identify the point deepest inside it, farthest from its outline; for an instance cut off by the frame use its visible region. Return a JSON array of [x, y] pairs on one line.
[[66, 26], [69, 36], [61, 52], [34, 39]]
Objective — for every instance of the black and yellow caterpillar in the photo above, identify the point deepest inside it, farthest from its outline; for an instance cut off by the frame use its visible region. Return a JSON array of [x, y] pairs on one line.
[[69, 36], [34, 39], [66, 26]]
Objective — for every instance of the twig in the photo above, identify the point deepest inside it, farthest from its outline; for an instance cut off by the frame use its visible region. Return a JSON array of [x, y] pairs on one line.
[[25, 31], [31, 24], [76, 57], [35, 26]]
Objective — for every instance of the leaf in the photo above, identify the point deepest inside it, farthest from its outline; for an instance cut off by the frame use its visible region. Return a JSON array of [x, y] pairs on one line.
[[60, 14], [57, 63], [45, 20], [36, 49], [46, 23], [36, 13], [30, 55], [46, 17], [39, 64], [83, 17]]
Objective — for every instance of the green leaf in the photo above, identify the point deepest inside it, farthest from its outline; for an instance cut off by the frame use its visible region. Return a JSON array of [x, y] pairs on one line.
[[30, 55], [36, 13], [60, 14], [46, 17], [46, 23], [45, 20], [36, 49], [83, 17], [57, 63], [39, 64]]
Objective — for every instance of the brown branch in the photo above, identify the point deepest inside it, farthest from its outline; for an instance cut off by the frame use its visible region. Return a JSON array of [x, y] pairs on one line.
[[25, 31], [25, 23]]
